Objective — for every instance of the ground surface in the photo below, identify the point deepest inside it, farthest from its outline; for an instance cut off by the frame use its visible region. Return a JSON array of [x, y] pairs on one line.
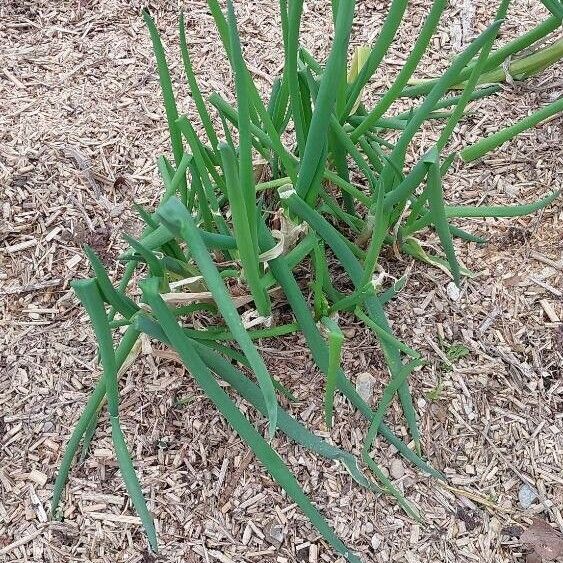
[[80, 127]]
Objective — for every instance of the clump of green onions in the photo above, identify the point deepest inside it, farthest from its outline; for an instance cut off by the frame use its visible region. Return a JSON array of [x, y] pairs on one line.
[[214, 223]]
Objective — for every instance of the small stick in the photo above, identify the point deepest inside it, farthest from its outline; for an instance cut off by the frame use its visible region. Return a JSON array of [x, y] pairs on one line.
[[545, 260], [31, 287], [21, 541]]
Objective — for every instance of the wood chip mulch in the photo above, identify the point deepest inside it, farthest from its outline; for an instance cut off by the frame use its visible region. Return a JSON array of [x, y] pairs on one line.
[[81, 125]]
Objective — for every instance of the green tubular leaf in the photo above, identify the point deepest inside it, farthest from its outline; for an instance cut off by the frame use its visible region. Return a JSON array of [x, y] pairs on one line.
[[199, 161], [419, 216], [372, 154], [382, 123], [277, 111], [178, 269], [374, 308], [210, 198], [228, 352], [227, 131], [539, 59], [280, 269], [194, 88], [132, 483], [145, 216], [273, 184], [89, 295], [390, 390], [377, 236], [274, 139], [419, 116], [89, 435], [410, 65], [319, 263], [448, 161], [335, 341], [165, 169], [500, 210], [386, 399], [274, 98], [460, 233], [524, 67], [153, 240], [522, 42], [332, 207], [284, 18], [482, 147], [127, 275], [390, 489], [310, 61], [245, 172], [555, 7], [269, 138], [198, 197], [122, 364], [291, 50], [346, 186], [294, 257], [497, 57], [437, 210], [378, 51], [281, 107], [177, 218], [85, 420], [273, 132], [385, 335], [306, 101], [222, 25], [355, 299], [329, 291], [166, 86], [155, 267], [251, 392], [349, 146], [172, 184], [215, 240], [211, 163], [412, 247], [391, 293], [470, 85], [170, 249], [118, 300], [242, 221], [191, 359], [406, 187], [220, 334], [441, 86], [315, 146]]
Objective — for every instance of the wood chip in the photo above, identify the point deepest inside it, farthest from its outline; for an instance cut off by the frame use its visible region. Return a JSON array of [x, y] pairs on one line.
[[109, 517]]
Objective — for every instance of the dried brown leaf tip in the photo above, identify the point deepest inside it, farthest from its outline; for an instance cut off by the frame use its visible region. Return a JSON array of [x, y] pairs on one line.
[[546, 542]]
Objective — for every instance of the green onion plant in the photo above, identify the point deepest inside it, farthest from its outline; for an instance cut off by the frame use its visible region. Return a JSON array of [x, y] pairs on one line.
[[216, 221]]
